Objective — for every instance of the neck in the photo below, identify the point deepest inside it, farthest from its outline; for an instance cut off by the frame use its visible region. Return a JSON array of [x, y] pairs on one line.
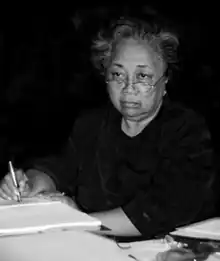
[[133, 128]]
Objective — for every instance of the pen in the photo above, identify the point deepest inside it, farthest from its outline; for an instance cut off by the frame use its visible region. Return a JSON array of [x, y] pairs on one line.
[[14, 178], [133, 257]]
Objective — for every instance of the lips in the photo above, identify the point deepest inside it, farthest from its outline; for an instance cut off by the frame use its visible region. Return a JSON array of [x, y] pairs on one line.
[[130, 104]]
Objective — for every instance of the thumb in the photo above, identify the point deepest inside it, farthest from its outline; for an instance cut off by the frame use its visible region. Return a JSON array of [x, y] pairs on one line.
[[30, 190], [26, 188], [20, 175], [23, 182]]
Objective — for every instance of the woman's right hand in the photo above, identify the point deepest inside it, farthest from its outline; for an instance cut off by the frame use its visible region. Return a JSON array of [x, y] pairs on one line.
[[30, 184], [9, 191]]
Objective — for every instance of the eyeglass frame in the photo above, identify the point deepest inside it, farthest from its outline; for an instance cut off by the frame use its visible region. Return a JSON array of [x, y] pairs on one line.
[[152, 86]]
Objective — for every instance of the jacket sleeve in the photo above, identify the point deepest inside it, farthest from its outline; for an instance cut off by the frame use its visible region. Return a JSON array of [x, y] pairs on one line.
[[181, 190], [62, 167]]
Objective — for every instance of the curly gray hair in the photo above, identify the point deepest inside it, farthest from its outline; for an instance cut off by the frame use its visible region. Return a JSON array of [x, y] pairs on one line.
[[162, 41]]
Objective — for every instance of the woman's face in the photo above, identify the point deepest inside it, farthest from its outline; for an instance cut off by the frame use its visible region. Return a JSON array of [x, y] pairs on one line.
[[133, 71]]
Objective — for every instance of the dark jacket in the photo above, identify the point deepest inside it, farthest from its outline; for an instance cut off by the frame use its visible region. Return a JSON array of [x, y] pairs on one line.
[[162, 178]]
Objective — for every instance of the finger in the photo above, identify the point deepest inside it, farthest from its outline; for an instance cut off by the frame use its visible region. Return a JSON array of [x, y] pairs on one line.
[[51, 194], [10, 184], [29, 192], [22, 180], [3, 195], [20, 175], [23, 184], [48, 195], [11, 194]]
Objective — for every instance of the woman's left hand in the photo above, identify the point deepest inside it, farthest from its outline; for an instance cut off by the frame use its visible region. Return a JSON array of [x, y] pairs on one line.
[[176, 255], [57, 196]]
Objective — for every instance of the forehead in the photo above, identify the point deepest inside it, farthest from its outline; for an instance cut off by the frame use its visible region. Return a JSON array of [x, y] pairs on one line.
[[130, 53]]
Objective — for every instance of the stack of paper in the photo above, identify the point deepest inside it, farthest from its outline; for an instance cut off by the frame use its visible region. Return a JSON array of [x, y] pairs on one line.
[[37, 215]]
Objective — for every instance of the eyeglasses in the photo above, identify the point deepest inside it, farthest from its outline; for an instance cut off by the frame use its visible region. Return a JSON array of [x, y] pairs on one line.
[[140, 82]]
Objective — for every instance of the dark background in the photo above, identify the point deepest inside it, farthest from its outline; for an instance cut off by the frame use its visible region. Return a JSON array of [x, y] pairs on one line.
[[47, 77]]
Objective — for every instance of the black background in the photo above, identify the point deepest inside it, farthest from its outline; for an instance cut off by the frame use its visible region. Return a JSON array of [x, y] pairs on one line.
[[47, 77]]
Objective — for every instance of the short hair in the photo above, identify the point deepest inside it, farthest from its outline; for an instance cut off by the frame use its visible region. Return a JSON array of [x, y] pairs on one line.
[[162, 41]]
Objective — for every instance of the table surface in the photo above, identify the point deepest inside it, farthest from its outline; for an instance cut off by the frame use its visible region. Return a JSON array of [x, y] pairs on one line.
[[147, 250], [77, 245]]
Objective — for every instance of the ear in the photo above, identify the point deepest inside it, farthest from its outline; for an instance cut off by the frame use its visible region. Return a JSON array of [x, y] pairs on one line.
[[166, 80]]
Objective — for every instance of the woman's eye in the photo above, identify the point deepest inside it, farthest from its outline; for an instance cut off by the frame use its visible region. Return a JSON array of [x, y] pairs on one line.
[[116, 74], [143, 75]]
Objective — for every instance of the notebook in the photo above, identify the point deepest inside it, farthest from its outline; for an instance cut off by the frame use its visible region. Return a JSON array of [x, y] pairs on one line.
[[34, 215]]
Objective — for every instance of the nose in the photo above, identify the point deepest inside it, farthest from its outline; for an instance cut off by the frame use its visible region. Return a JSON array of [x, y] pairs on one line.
[[130, 88]]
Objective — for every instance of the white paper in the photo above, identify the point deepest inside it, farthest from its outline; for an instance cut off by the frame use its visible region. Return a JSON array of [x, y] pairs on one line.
[[209, 229], [36, 215], [58, 246]]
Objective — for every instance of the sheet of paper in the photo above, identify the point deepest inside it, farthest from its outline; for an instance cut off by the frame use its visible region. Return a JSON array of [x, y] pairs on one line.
[[13, 203], [205, 229], [37, 215], [58, 246]]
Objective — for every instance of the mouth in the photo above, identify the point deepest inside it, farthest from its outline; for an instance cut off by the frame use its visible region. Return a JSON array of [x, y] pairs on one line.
[[130, 104]]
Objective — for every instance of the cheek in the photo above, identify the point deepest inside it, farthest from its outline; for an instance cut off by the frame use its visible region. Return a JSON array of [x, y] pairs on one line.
[[148, 100], [114, 94], [151, 100]]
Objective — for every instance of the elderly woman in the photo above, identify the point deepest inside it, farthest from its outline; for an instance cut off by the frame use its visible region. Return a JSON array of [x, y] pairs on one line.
[[142, 165]]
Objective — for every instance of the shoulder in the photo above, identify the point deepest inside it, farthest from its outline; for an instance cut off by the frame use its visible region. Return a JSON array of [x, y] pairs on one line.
[[183, 127], [178, 118]]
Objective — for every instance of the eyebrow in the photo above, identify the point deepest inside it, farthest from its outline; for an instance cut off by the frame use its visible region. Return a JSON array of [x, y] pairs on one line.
[[143, 66], [139, 66], [118, 65]]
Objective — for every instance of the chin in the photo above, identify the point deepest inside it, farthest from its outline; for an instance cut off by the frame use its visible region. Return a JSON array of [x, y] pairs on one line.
[[135, 115], [134, 118]]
